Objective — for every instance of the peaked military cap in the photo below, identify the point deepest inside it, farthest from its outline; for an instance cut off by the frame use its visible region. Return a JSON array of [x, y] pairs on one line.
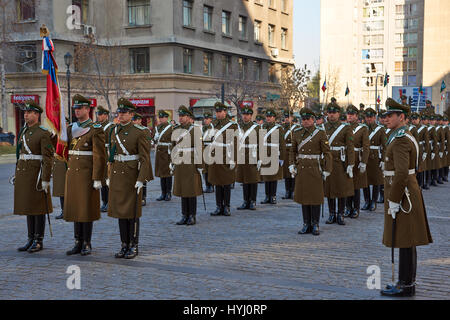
[[260, 117], [270, 112], [382, 114], [370, 112], [333, 100], [307, 112], [362, 106], [286, 113], [162, 114], [403, 97], [101, 110], [428, 102], [393, 106], [31, 105], [184, 111], [319, 115], [246, 110], [414, 115], [207, 115], [125, 105], [219, 106], [137, 116], [79, 101], [343, 116], [333, 107], [351, 109]]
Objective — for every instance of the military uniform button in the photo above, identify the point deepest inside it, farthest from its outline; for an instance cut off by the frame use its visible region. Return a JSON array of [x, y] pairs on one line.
[[115, 171]]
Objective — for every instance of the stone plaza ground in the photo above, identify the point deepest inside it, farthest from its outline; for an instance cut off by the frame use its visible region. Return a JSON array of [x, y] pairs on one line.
[[250, 255]]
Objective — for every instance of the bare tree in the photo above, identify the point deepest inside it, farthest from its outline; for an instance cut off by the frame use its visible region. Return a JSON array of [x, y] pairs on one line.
[[333, 81], [294, 87]]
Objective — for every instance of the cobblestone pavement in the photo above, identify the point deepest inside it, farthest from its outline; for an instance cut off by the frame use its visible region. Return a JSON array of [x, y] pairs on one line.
[[250, 255]]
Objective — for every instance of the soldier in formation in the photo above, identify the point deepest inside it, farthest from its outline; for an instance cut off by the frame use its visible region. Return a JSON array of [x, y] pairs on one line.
[[163, 145]]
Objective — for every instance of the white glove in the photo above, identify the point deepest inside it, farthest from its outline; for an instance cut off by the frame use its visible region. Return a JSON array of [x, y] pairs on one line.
[[441, 154], [382, 166], [325, 175], [293, 170], [424, 156], [258, 165], [432, 156], [394, 208], [171, 168], [46, 186], [200, 170], [362, 167], [97, 185], [107, 182], [232, 165], [139, 185], [350, 171]]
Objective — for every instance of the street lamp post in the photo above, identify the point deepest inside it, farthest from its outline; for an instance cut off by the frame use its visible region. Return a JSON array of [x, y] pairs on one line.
[[68, 61]]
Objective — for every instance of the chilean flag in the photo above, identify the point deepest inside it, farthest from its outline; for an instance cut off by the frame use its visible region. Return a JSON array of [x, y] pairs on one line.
[[324, 87], [54, 107]]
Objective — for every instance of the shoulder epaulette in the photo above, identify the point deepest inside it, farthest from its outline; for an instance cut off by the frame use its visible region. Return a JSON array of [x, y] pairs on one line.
[[96, 125], [401, 133], [44, 128], [140, 127]]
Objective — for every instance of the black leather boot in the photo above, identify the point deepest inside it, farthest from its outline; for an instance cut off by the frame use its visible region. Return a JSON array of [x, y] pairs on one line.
[[356, 204], [433, 178], [306, 212], [168, 196], [287, 187], [192, 205], [162, 197], [78, 231], [440, 175], [315, 218], [267, 189], [191, 220], [104, 195], [123, 229], [86, 248], [122, 252], [39, 230], [133, 248], [332, 209], [219, 202], [184, 212], [381, 199], [366, 192], [30, 227], [349, 206], [375, 193], [340, 214], [246, 192], [227, 200]]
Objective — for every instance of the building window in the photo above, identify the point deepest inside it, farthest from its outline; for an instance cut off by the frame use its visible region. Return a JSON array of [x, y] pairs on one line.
[[271, 35], [400, 9], [257, 70], [187, 60], [226, 25], [284, 5], [272, 73], [373, 12], [26, 58], [412, 52], [257, 31], [412, 66], [243, 68], [138, 12], [226, 66], [412, 80], [373, 39], [401, 66], [373, 26], [207, 18], [284, 39], [25, 10], [140, 60], [243, 27], [84, 7], [207, 63], [272, 4], [187, 13]]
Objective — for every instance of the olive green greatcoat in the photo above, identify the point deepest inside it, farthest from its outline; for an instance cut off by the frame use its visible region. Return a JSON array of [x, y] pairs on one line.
[[376, 156], [411, 228], [59, 177], [107, 127], [27, 199], [278, 146], [124, 175], [248, 154], [362, 143], [287, 136], [162, 154], [447, 143], [339, 184], [440, 161], [220, 174], [82, 201], [309, 182], [434, 149], [424, 146], [187, 178]]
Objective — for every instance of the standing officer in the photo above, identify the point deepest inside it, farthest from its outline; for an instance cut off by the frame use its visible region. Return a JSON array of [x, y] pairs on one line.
[[440, 132], [288, 128], [221, 170], [260, 119], [273, 142], [208, 133], [186, 161], [34, 153], [414, 126], [103, 120], [309, 146], [362, 148], [405, 219], [162, 140], [59, 176], [435, 149], [382, 118], [85, 173], [340, 183], [247, 171], [375, 164], [447, 144], [129, 158], [137, 119], [424, 146]]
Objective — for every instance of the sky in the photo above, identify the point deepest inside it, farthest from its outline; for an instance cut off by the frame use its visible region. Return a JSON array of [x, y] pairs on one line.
[[307, 33]]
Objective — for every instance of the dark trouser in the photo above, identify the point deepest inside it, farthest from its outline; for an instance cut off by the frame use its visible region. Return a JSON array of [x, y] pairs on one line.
[[249, 191], [446, 172], [427, 178], [36, 227], [289, 185], [223, 196], [434, 176], [375, 193], [271, 188], [205, 177], [144, 191], [354, 202], [341, 205], [166, 185], [126, 228], [419, 177], [311, 214], [104, 193], [441, 174], [61, 202], [83, 231], [407, 265]]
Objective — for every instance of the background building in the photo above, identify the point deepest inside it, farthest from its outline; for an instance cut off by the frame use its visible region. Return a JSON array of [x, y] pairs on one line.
[[159, 53], [362, 40]]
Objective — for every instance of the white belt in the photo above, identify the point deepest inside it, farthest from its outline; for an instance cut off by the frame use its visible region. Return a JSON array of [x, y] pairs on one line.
[[124, 158], [271, 144], [289, 145], [207, 143], [358, 149], [309, 156], [250, 146], [375, 147], [392, 173], [422, 142], [223, 145], [185, 149], [106, 145], [165, 144], [80, 153], [338, 148], [30, 157]]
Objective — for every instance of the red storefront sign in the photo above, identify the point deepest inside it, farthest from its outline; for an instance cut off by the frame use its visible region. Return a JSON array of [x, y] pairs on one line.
[[143, 102], [247, 104], [93, 103], [192, 102], [21, 98]]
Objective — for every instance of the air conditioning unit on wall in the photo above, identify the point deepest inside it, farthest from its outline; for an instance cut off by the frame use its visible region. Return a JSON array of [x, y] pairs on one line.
[[275, 53]]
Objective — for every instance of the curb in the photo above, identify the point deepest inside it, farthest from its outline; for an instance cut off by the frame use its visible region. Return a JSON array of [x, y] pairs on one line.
[[7, 159]]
